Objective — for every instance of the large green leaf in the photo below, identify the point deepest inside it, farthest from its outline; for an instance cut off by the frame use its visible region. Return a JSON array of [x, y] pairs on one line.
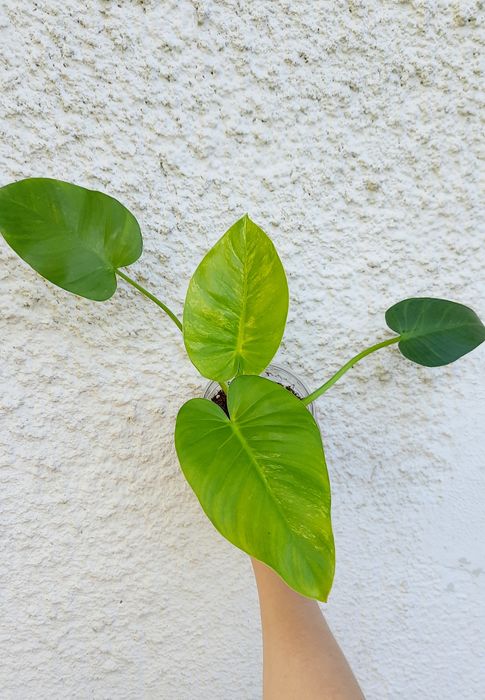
[[435, 332], [74, 237], [261, 478], [236, 305]]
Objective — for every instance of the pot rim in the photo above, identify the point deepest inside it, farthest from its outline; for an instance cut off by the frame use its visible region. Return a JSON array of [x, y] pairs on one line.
[[294, 380]]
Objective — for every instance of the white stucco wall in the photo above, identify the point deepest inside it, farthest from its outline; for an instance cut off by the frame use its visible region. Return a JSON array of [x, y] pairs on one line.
[[350, 131]]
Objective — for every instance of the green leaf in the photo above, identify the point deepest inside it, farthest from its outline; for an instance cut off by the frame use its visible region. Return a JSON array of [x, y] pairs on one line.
[[236, 305], [74, 237], [261, 478], [435, 332]]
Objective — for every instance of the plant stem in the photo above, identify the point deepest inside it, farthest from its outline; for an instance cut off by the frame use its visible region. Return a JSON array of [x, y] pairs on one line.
[[348, 365], [163, 306], [152, 297]]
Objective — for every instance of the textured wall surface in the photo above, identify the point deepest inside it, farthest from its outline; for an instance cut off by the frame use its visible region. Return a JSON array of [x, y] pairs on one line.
[[349, 131]]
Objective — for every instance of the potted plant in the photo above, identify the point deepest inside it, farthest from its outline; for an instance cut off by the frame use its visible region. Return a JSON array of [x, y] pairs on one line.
[[250, 449]]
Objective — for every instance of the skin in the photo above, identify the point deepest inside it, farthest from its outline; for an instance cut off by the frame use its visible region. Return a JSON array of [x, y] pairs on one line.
[[301, 658]]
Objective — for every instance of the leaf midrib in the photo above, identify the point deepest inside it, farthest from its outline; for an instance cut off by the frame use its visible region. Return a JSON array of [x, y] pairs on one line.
[[411, 335], [63, 229], [260, 472], [242, 315]]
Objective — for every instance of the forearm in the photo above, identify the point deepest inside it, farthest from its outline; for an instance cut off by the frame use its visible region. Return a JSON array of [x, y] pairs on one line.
[[301, 658]]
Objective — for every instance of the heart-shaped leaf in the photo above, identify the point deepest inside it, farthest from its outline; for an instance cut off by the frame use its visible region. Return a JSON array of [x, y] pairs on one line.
[[74, 237], [236, 305], [435, 332], [261, 478]]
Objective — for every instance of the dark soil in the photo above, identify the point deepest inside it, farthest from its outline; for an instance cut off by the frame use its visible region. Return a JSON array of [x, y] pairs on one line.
[[221, 399]]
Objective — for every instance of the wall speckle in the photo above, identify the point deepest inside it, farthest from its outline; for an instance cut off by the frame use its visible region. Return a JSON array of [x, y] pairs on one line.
[[351, 133]]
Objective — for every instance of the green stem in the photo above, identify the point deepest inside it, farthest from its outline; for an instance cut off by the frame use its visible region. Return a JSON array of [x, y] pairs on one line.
[[150, 296], [348, 365], [163, 306]]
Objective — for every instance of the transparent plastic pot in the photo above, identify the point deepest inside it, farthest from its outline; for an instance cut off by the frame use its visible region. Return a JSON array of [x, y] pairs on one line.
[[278, 374]]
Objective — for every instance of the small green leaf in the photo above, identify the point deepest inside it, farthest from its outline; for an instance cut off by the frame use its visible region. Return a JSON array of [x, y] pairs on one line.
[[236, 306], [74, 237], [261, 478], [435, 332]]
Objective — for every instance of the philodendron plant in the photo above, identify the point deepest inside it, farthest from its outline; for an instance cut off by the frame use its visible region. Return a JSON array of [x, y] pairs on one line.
[[258, 470]]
